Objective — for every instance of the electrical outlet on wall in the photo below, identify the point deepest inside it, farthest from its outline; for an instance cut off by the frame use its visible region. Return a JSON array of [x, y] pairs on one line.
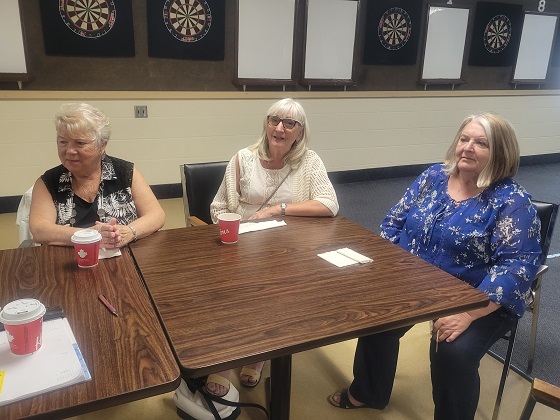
[[141, 111]]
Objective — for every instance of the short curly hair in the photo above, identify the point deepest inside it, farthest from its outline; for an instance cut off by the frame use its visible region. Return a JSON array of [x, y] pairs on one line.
[[81, 120]]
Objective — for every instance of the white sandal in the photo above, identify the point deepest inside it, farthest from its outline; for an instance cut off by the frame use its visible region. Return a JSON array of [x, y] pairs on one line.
[[194, 406]]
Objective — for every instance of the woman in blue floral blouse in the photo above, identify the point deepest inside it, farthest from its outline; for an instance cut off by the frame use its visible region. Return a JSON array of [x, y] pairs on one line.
[[468, 217]]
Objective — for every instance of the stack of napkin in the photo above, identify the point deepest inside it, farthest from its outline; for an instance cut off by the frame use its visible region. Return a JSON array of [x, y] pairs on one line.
[[345, 256], [253, 226]]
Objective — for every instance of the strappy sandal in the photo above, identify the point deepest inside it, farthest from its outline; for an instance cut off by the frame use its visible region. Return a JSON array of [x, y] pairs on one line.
[[220, 380], [345, 402], [253, 374]]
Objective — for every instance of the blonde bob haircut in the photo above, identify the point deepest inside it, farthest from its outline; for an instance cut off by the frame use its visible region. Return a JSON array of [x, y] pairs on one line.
[[83, 121], [503, 146], [286, 108]]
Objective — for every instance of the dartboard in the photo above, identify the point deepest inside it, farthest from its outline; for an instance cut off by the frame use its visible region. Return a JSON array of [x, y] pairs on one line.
[[394, 28], [88, 18], [187, 20], [497, 34]]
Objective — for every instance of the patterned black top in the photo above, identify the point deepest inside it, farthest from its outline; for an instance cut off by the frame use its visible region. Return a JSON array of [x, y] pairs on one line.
[[114, 198]]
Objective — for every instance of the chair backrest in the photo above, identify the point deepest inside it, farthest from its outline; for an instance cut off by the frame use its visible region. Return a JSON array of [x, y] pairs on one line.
[[200, 182], [22, 217], [547, 213]]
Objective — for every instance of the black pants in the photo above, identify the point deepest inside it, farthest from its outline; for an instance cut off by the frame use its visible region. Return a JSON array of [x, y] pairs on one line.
[[454, 368]]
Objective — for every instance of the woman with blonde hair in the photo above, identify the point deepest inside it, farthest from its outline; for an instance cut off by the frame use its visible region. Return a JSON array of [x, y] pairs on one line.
[[90, 189], [468, 217], [277, 176]]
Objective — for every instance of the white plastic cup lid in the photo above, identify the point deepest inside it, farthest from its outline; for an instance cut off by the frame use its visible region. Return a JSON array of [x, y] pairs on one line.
[[229, 217], [86, 236], [22, 311]]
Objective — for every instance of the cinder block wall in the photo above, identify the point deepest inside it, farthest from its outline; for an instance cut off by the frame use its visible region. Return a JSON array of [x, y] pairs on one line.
[[350, 130]]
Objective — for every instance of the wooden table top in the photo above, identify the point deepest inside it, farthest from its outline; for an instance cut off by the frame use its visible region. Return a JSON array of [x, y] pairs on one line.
[[270, 295], [128, 356]]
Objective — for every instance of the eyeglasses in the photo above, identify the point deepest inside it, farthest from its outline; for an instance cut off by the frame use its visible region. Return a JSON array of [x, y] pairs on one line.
[[287, 123]]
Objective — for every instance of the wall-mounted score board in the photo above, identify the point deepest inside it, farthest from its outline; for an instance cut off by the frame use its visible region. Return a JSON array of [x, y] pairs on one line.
[[12, 50], [535, 47], [445, 43]]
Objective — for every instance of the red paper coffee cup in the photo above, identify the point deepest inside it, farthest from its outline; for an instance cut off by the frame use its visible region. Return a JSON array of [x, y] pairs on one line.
[[229, 227], [23, 322], [86, 247]]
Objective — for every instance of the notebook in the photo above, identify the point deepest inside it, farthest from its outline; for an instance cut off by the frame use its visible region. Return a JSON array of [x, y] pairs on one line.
[[57, 364]]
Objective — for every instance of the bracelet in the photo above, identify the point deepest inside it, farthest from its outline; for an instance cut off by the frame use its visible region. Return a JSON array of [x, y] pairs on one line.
[[133, 230]]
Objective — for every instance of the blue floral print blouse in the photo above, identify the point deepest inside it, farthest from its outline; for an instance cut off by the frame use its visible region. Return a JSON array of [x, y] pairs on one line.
[[490, 241]]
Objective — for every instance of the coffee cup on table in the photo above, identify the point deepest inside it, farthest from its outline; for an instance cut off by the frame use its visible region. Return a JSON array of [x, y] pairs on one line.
[[23, 322], [86, 247], [229, 227]]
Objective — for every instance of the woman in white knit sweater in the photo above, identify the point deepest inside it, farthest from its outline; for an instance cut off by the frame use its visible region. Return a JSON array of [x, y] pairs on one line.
[[277, 176], [280, 158]]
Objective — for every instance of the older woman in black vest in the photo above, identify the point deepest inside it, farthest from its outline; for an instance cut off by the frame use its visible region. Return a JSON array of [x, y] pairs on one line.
[[91, 189]]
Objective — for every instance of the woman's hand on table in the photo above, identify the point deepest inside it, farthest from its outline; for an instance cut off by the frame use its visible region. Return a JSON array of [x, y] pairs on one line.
[[111, 236], [271, 211]]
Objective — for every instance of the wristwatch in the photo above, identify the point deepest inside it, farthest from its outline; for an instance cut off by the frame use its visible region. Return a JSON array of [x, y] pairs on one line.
[[283, 209]]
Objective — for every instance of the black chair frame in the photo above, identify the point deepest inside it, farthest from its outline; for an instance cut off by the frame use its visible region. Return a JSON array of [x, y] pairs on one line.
[[547, 214]]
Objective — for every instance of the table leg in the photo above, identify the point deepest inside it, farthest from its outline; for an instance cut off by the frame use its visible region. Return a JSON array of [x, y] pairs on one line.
[[280, 387]]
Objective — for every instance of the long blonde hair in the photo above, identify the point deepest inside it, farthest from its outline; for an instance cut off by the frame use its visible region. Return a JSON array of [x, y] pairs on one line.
[[283, 108], [503, 146]]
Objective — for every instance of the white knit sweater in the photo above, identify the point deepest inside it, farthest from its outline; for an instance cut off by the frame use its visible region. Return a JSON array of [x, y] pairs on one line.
[[308, 182]]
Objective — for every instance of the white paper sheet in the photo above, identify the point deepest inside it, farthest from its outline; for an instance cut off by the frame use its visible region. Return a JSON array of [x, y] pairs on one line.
[[353, 255], [253, 226], [109, 253], [58, 363], [344, 256]]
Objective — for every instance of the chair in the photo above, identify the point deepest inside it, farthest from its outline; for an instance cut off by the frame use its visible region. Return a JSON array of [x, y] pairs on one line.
[[544, 393], [200, 182], [547, 214], [22, 220]]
